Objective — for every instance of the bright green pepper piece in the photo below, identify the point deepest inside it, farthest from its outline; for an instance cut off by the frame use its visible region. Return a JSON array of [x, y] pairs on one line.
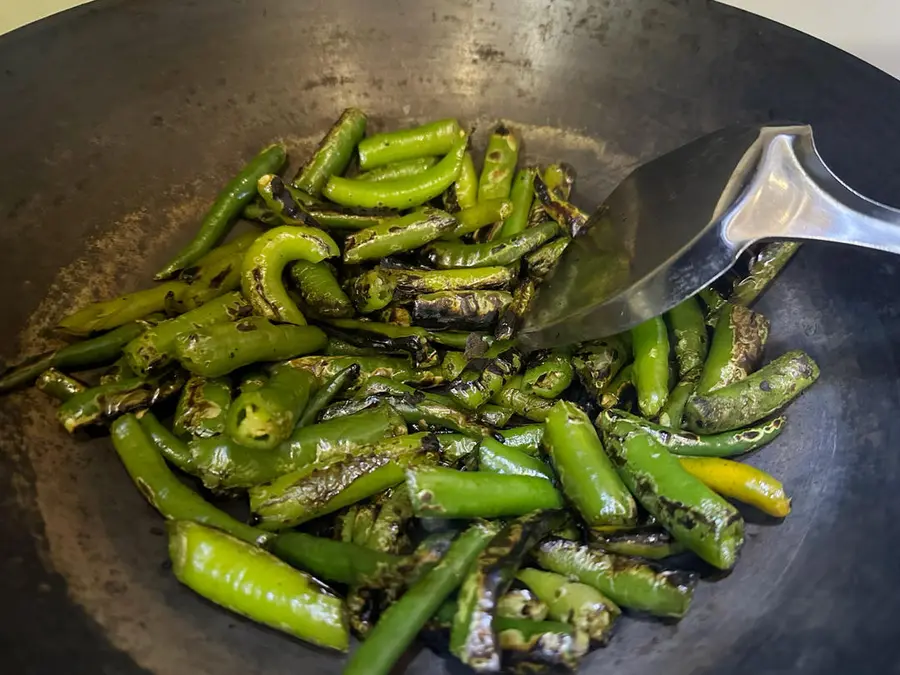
[[334, 153], [396, 235], [651, 365], [434, 138]]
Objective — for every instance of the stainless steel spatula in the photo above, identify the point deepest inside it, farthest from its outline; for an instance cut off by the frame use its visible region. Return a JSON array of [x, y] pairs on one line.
[[680, 221]]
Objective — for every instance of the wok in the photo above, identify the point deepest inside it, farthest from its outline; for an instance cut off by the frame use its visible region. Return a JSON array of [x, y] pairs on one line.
[[120, 120]]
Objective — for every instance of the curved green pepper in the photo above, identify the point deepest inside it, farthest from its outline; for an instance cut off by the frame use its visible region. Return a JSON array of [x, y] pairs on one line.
[[764, 267], [173, 449], [434, 138], [479, 215], [227, 207], [217, 350], [402, 193], [550, 374], [514, 396], [334, 153], [319, 291], [109, 314], [264, 263], [540, 262], [512, 316], [59, 385], [332, 387]]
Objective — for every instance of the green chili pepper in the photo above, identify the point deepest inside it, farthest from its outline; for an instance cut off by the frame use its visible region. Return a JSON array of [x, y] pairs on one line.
[[59, 385], [173, 449], [424, 410], [526, 438], [689, 330], [159, 486], [481, 214], [263, 418], [521, 196], [764, 267], [736, 349], [550, 374], [626, 581], [583, 606], [264, 263], [332, 387], [106, 402], [484, 378], [323, 488], [255, 584], [87, 354], [698, 517], [451, 254], [456, 447], [727, 444], [465, 189], [597, 362], [435, 138], [473, 638], [399, 370], [494, 415], [227, 207], [495, 457], [499, 165], [445, 493], [103, 316], [402, 621], [521, 402], [654, 544], [339, 347], [402, 193], [402, 169], [214, 351], [203, 407], [222, 464], [540, 262], [754, 398], [521, 603], [155, 349], [651, 365], [388, 531], [511, 318], [572, 219], [452, 365], [331, 560], [333, 155], [671, 414], [559, 179], [540, 646], [587, 476], [319, 291], [614, 394], [216, 273], [251, 380], [118, 371], [460, 310], [396, 235]]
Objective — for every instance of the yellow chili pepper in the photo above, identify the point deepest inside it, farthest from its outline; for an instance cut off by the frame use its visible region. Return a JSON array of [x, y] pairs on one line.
[[742, 482]]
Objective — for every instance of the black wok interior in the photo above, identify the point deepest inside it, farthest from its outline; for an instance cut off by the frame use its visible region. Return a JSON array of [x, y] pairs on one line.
[[121, 119]]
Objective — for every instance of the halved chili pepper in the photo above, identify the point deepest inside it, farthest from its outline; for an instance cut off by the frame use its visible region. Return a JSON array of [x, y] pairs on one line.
[[736, 349], [154, 349], [699, 518], [402, 193], [628, 582], [319, 291], [742, 482], [450, 254], [402, 621], [257, 585], [427, 140], [650, 342], [499, 165], [754, 398], [216, 350], [333, 154], [159, 486], [445, 493], [587, 476], [202, 407], [263, 418], [727, 444], [264, 264], [228, 205], [402, 169]]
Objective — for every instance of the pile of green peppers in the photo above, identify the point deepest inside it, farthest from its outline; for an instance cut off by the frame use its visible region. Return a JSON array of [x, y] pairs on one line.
[[347, 364]]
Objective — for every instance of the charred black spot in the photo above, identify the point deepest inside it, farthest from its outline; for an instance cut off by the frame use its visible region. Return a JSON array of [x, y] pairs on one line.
[[220, 278], [765, 386], [246, 326]]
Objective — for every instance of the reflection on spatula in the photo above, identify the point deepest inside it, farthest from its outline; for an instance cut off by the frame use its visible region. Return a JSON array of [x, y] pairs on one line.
[[680, 221]]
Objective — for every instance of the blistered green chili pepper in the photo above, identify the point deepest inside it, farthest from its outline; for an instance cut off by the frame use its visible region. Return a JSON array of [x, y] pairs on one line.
[[512, 316], [450, 254], [396, 235], [526, 438], [597, 362], [319, 291], [550, 374], [652, 544], [59, 385], [480, 215], [203, 407], [614, 394], [522, 402], [227, 207], [672, 412], [397, 369], [460, 310], [764, 267], [572, 219], [327, 393], [521, 196], [109, 314], [540, 262], [736, 348], [484, 378], [264, 264], [691, 341], [333, 155], [499, 165]]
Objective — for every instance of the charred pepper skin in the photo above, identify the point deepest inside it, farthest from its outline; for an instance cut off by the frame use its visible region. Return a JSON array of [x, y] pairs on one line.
[[691, 341], [736, 349], [453, 254], [396, 235], [754, 398], [764, 267]]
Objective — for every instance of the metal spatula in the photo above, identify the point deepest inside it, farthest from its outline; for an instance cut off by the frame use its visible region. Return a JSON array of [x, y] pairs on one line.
[[679, 222]]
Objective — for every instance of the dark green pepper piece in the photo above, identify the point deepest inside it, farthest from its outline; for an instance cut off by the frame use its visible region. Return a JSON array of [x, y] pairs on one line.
[[334, 153]]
